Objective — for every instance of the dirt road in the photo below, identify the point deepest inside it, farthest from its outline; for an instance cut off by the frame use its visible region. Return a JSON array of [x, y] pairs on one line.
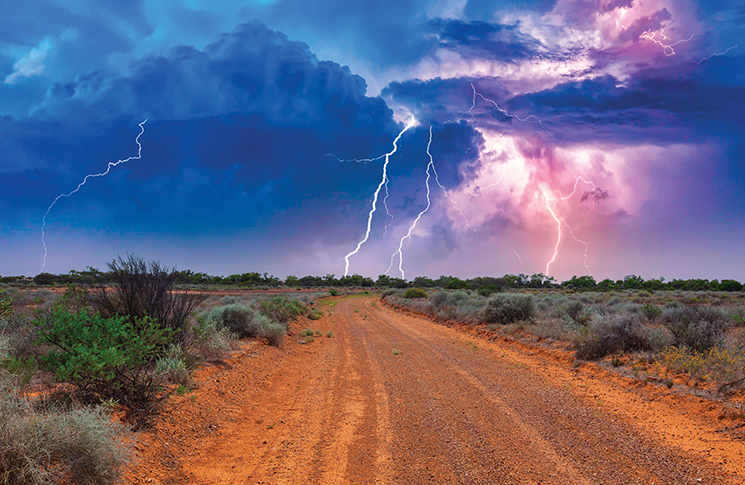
[[398, 399]]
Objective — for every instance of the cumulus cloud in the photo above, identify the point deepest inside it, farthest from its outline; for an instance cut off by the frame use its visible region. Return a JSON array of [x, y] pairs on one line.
[[33, 64]]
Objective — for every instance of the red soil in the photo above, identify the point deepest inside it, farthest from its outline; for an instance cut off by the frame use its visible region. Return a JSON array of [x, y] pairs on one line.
[[394, 398]]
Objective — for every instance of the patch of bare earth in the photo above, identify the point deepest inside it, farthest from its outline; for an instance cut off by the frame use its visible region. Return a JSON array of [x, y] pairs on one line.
[[393, 398]]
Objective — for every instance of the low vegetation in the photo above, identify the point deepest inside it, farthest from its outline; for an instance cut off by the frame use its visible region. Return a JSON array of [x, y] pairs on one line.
[[69, 359], [699, 334]]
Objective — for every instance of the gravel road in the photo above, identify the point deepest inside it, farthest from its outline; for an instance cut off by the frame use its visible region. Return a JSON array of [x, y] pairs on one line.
[[402, 400]]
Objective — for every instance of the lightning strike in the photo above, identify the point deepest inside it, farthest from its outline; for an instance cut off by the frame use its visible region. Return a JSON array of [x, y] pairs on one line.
[[102, 174], [558, 239], [587, 267], [667, 49], [383, 181], [501, 110], [713, 55], [562, 222], [387, 212], [522, 270], [400, 253], [577, 180]]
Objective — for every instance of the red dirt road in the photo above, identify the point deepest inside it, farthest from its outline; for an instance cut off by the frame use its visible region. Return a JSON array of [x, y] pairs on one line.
[[402, 400]]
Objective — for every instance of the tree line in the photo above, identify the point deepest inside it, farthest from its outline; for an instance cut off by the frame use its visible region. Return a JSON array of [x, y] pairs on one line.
[[93, 276]]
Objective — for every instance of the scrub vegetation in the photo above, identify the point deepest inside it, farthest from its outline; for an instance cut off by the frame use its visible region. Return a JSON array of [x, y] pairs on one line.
[[699, 336], [83, 367]]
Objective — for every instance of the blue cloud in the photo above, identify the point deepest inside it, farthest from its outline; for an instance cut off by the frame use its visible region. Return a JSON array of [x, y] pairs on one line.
[[483, 40]]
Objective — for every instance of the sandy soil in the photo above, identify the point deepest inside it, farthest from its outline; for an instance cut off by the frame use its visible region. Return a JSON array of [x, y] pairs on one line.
[[394, 398]]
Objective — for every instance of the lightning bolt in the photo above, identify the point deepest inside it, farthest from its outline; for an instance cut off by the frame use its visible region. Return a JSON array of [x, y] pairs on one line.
[[562, 222], [558, 239], [388, 213], [577, 180], [430, 165], [581, 242], [501, 110], [383, 181], [667, 49], [713, 55], [108, 169], [519, 259]]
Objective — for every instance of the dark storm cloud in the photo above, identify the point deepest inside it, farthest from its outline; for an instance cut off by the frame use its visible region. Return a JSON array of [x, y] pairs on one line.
[[483, 40], [252, 104]]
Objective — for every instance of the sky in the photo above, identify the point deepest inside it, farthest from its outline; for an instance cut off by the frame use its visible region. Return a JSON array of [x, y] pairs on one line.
[[407, 137]]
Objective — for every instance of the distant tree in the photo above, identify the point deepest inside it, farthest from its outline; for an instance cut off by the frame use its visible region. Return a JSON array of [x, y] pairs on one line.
[[423, 282], [633, 282], [584, 282], [730, 285], [383, 280], [607, 284], [45, 279]]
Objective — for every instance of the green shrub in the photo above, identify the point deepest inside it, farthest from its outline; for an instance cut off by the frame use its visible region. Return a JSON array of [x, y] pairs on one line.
[[651, 312], [612, 333], [488, 290], [415, 293], [275, 333], [105, 358], [173, 366], [281, 309], [6, 306], [334, 292], [315, 314], [244, 321], [506, 308], [574, 309], [699, 328], [208, 339]]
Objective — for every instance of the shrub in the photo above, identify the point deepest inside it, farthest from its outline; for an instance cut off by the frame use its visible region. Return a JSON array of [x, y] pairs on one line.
[[145, 289], [611, 333], [105, 358], [6, 306], [721, 365], [209, 340], [275, 333], [650, 311], [574, 310], [386, 293], [439, 299], [239, 318], [244, 321], [699, 328], [334, 292], [488, 290], [173, 366], [282, 310], [80, 446], [415, 293], [508, 308], [229, 299]]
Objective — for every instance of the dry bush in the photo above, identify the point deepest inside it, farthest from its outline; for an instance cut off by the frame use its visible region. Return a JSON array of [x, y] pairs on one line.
[[612, 333], [145, 288], [47, 445], [507, 308]]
